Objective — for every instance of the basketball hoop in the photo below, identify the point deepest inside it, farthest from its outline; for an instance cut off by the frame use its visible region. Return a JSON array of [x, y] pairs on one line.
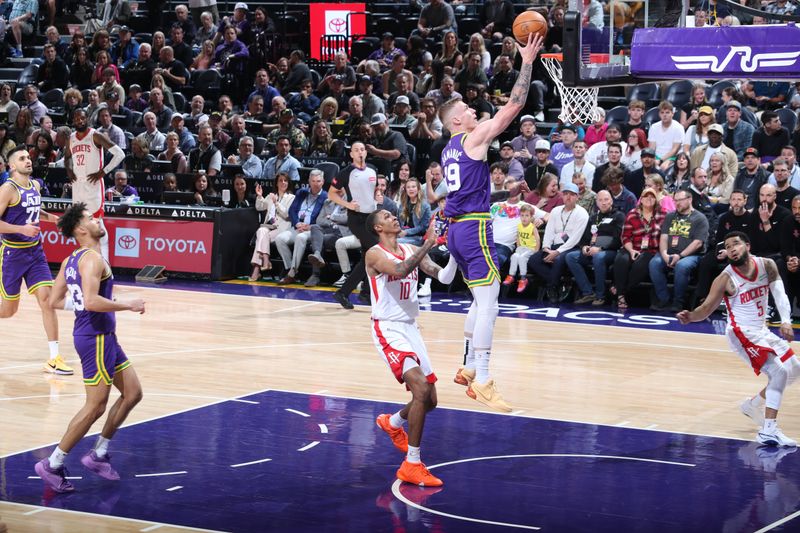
[[577, 103]]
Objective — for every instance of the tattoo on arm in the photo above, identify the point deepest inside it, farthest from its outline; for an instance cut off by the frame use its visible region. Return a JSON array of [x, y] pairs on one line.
[[519, 93], [772, 269], [402, 269], [429, 267]]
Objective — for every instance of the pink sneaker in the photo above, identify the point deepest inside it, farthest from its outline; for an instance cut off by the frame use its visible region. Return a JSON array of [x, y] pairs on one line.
[[100, 465], [55, 478]]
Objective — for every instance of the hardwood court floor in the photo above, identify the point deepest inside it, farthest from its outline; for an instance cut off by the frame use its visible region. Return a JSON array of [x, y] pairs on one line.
[[195, 348]]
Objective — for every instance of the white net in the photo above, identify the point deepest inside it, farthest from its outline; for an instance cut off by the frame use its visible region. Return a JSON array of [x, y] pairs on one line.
[[577, 103]]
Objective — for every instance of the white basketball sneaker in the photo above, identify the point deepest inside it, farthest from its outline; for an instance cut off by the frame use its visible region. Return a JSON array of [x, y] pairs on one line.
[[776, 438], [754, 412]]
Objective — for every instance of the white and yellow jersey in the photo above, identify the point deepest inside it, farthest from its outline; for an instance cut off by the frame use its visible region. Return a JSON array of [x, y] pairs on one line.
[[394, 298]]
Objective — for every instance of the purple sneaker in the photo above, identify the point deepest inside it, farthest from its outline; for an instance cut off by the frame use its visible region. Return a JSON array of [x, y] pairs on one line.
[[54, 477], [100, 465]]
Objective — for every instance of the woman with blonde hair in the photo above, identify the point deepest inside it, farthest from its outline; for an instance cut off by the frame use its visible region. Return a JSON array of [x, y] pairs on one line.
[[656, 182], [22, 126], [322, 143], [158, 42], [205, 58], [329, 109], [478, 45], [173, 154], [720, 182], [449, 54], [169, 98], [277, 220], [72, 101], [414, 214]]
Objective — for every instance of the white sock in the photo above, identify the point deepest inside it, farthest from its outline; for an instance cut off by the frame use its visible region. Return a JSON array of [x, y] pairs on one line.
[[19, 47], [770, 424], [469, 353], [396, 421], [101, 448], [413, 455], [57, 458], [427, 282], [53, 345], [482, 366]]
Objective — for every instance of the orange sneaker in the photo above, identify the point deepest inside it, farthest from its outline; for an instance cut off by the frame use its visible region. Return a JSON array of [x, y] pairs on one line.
[[509, 280], [464, 376], [398, 435], [417, 474], [522, 285]]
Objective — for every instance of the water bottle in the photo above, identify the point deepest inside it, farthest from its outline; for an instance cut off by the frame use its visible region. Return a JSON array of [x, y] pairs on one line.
[[226, 196]]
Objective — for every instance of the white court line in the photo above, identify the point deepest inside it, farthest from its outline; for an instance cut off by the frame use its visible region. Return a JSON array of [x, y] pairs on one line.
[[162, 474], [323, 428], [129, 424], [246, 401], [323, 391], [308, 446], [517, 412], [779, 522], [66, 477], [152, 528], [117, 518], [35, 511], [176, 487], [251, 463], [496, 413], [399, 495], [623, 423], [295, 411], [651, 426]]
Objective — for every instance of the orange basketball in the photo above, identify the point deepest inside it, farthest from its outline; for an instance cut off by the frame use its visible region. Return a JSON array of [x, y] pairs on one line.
[[529, 22]]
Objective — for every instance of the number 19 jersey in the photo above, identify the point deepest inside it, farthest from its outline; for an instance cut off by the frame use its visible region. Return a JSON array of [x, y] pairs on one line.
[[394, 298], [468, 180]]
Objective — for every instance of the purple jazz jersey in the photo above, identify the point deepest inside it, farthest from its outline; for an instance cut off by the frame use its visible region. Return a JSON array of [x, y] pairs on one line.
[[88, 322], [24, 211], [468, 181]]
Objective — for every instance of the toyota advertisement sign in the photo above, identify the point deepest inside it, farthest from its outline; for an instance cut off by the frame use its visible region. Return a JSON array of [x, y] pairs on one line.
[[181, 246], [335, 19]]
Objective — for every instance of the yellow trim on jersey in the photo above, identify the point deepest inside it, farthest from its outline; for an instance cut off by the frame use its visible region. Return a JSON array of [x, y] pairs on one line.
[[3, 294], [471, 216], [21, 245], [102, 373], [36, 287], [494, 274]]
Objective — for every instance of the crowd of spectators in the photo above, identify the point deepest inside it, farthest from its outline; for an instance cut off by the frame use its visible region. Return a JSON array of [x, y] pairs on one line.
[[602, 207]]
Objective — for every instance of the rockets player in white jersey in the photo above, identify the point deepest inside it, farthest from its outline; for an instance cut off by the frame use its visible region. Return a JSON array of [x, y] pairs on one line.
[[83, 159], [744, 286], [392, 271]]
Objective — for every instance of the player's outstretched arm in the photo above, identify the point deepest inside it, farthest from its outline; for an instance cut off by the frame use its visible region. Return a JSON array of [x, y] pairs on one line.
[[486, 131], [92, 267], [781, 300], [376, 261], [719, 289]]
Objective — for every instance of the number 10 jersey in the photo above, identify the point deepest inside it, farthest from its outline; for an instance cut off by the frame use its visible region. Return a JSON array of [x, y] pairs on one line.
[[394, 298]]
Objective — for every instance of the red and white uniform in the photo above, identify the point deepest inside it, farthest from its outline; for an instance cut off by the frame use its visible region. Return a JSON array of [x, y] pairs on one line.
[[747, 330], [394, 311], [87, 158]]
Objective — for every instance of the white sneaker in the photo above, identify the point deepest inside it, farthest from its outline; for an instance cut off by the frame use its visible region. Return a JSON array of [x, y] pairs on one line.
[[751, 411], [339, 282], [776, 438], [358, 287], [424, 290]]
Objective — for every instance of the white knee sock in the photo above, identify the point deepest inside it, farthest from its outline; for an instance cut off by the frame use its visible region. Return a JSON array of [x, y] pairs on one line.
[[482, 366], [53, 345]]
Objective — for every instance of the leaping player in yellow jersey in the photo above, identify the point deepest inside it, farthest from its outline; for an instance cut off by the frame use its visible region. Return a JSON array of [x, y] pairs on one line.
[[83, 159], [21, 253], [744, 286], [392, 271]]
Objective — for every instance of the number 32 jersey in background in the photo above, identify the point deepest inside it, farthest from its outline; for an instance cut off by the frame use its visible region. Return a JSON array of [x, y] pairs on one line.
[[394, 298], [468, 181]]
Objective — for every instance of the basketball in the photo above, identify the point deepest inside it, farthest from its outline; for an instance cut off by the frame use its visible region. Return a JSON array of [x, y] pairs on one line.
[[529, 22]]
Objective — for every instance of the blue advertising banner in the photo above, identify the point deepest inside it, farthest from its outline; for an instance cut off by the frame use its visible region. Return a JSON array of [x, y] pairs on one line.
[[770, 52]]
